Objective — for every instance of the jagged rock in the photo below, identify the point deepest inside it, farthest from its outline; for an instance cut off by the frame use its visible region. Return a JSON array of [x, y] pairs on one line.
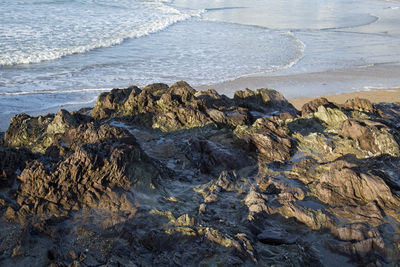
[[360, 104], [156, 89], [181, 107], [370, 136], [12, 162], [334, 195], [109, 102], [167, 109], [227, 180], [344, 183], [62, 121], [264, 100], [332, 117], [38, 133], [268, 139], [313, 105], [102, 169]]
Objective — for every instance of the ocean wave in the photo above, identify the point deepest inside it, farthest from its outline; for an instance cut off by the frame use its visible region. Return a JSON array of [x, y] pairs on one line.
[[24, 50], [273, 68], [371, 19], [60, 91]]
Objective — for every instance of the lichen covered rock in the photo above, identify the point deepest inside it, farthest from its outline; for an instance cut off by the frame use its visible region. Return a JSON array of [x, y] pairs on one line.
[[268, 139], [167, 175], [181, 107]]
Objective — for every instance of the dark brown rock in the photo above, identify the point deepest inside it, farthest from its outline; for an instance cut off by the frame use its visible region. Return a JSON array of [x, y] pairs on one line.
[[94, 187], [212, 157], [182, 107], [359, 131], [109, 102], [275, 236], [359, 104], [264, 100], [268, 139], [370, 136], [39, 133], [12, 162], [100, 168], [314, 104]]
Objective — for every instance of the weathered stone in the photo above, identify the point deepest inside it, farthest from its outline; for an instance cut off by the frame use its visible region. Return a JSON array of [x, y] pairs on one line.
[[372, 137], [39, 133], [331, 117], [268, 139], [327, 181], [264, 100], [102, 168], [314, 104], [181, 107], [359, 104], [12, 162], [110, 102]]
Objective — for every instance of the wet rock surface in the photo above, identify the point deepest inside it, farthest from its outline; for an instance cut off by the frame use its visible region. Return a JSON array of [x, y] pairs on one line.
[[167, 175]]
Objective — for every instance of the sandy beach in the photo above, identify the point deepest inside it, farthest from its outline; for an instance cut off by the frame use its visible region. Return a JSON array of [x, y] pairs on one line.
[[375, 96]]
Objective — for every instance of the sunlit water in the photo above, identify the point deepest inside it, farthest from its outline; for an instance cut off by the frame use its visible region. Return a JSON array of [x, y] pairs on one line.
[[55, 53]]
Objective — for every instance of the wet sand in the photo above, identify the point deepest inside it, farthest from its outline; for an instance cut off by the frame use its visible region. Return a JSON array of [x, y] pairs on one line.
[[332, 82], [378, 83]]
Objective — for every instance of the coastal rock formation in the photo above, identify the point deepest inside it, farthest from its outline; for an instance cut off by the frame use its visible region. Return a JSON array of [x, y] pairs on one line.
[[12, 162], [85, 165], [313, 105], [267, 138], [181, 107], [167, 175], [359, 104]]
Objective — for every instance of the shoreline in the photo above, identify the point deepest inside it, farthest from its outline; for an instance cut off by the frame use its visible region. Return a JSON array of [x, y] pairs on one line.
[[388, 95], [316, 84], [375, 82]]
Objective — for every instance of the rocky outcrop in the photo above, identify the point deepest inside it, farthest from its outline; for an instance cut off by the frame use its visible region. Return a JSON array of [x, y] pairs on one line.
[[268, 139], [84, 166], [38, 133], [11, 163], [264, 100], [181, 107], [313, 105], [167, 175], [370, 136], [359, 104], [212, 157]]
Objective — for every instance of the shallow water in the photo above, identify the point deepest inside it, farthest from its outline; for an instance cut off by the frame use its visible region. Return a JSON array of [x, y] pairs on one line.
[[59, 53]]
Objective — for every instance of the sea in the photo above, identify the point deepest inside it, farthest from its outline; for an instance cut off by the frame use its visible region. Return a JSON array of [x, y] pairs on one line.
[[62, 53]]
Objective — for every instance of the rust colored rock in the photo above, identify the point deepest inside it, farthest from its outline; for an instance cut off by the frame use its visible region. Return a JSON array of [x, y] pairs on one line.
[[359, 131], [359, 104], [314, 104]]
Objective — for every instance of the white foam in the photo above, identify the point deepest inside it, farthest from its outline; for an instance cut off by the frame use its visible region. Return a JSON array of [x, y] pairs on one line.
[[55, 37], [58, 91]]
